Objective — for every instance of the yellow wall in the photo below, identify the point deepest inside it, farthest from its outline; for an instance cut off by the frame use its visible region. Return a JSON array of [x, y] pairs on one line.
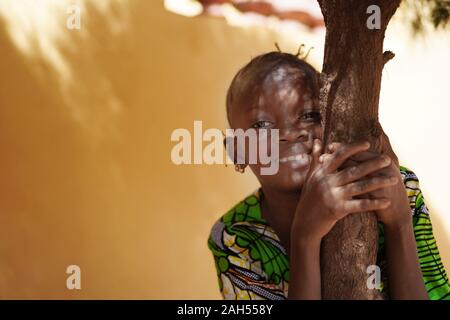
[[85, 171]]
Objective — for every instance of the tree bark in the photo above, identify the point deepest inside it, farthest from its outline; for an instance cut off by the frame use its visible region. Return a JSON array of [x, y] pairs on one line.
[[349, 97]]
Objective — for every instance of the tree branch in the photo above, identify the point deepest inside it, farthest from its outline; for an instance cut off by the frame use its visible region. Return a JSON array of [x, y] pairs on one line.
[[387, 55]]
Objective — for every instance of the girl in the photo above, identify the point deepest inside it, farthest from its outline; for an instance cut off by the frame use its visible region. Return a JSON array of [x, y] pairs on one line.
[[272, 237]]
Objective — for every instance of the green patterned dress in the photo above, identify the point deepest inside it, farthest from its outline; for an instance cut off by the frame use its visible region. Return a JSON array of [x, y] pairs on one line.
[[252, 264]]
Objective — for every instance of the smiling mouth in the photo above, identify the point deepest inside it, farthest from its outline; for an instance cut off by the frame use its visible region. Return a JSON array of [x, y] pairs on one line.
[[299, 157]]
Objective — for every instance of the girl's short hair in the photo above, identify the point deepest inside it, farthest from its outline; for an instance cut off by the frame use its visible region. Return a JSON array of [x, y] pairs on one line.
[[248, 81]]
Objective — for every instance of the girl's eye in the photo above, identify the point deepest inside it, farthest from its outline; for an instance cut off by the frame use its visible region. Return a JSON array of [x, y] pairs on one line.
[[311, 116], [262, 124]]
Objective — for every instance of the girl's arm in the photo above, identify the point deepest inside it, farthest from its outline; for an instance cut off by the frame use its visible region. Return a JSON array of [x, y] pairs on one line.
[[326, 197], [403, 267], [413, 259], [405, 276], [304, 278], [404, 273]]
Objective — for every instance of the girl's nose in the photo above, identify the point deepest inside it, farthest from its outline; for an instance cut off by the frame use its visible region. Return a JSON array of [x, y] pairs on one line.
[[293, 134]]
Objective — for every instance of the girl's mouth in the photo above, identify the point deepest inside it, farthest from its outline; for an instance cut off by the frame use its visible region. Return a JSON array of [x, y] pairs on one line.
[[302, 157]]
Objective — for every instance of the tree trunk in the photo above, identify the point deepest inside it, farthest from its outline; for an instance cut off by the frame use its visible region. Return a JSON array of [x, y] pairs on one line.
[[350, 88]]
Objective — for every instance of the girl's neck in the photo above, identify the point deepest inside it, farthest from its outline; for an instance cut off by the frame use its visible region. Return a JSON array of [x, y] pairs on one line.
[[278, 209]]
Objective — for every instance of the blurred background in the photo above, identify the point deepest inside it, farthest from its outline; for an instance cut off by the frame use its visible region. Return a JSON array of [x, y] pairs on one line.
[[86, 116]]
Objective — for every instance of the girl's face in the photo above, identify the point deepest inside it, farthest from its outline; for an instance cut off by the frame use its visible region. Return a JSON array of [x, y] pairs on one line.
[[286, 104]]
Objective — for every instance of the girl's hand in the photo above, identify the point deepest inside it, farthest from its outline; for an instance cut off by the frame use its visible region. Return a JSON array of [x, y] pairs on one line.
[[399, 212], [329, 195]]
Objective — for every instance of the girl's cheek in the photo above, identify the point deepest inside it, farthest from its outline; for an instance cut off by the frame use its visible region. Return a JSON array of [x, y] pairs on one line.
[[250, 150], [264, 148]]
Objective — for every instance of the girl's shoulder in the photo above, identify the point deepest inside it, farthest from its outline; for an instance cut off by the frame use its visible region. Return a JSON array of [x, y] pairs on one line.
[[413, 191], [246, 210], [250, 261], [246, 213], [408, 174]]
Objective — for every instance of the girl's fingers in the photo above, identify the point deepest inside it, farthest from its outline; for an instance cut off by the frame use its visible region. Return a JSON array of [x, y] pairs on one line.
[[364, 156], [363, 169], [317, 150], [323, 158], [329, 150], [364, 186], [342, 154], [359, 157], [315, 154], [333, 146], [364, 205]]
